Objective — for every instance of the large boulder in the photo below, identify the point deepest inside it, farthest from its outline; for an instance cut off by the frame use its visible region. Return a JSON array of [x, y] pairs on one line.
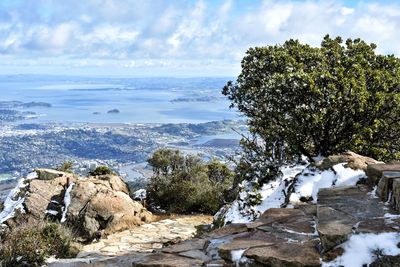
[[101, 205], [351, 160], [42, 197], [93, 206]]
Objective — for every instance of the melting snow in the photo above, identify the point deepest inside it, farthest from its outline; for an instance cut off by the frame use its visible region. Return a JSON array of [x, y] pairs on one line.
[[67, 201], [360, 250]]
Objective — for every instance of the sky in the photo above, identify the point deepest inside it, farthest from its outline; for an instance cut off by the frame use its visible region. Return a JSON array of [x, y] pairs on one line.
[[175, 37]]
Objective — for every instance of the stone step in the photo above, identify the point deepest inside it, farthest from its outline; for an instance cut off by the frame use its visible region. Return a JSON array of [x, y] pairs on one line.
[[343, 211]]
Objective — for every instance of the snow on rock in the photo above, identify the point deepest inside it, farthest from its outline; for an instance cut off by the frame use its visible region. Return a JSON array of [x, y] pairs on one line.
[[32, 175], [140, 194], [311, 180], [67, 201], [272, 196], [52, 212], [13, 202], [360, 250], [307, 182]]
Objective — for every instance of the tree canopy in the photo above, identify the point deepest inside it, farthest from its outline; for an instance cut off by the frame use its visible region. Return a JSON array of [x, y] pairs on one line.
[[319, 100]]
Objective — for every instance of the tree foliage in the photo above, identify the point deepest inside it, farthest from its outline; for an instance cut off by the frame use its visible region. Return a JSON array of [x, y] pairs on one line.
[[318, 101], [186, 183]]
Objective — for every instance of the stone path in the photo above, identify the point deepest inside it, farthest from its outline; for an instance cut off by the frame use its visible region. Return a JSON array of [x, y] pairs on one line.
[[147, 237]]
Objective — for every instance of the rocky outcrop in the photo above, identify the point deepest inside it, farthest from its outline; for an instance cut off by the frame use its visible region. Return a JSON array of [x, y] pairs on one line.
[[102, 204], [93, 206]]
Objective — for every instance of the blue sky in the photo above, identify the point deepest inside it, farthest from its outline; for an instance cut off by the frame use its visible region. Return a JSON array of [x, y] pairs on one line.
[[175, 37]]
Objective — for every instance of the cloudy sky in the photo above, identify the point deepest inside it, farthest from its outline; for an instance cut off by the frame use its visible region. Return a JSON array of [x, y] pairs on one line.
[[175, 37]]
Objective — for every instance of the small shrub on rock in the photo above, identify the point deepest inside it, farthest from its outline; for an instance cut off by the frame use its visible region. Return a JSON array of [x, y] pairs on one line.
[[101, 170], [30, 245], [186, 184], [65, 167]]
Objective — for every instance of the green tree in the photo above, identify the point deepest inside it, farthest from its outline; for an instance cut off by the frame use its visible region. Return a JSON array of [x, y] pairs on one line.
[[185, 183], [314, 101]]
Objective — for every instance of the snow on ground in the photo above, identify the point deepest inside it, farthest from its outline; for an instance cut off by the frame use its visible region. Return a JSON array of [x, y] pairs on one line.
[[67, 201], [360, 250], [308, 182]]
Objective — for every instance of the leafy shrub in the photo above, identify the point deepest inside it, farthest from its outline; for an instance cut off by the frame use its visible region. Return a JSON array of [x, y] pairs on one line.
[[185, 184], [101, 170], [30, 245], [317, 101], [65, 167]]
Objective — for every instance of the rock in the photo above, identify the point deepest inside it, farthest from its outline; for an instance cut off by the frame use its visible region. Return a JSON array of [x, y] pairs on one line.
[[395, 201], [165, 260], [378, 225], [386, 261], [286, 254], [333, 227], [385, 184], [43, 199], [49, 174], [194, 244], [196, 254], [102, 205], [225, 251], [374, 171], [352, 160], [229, 229], [343, 210]]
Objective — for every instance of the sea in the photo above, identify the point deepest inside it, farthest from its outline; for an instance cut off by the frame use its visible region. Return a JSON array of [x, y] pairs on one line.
[[119, 100]]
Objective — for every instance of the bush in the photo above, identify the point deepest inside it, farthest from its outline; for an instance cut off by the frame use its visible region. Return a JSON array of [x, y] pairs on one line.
[[65, 167], [318, 101], [186, 184], [101, 170], [30, 245]]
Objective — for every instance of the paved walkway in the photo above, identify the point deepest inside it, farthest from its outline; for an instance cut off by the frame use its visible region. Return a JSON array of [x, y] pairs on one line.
[[147, 237]]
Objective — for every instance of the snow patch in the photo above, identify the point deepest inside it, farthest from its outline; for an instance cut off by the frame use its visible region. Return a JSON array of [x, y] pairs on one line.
[[140, 194], [311, 181], [360, 250], [236, 256], [67, 201], [52, 212], [32, 175]]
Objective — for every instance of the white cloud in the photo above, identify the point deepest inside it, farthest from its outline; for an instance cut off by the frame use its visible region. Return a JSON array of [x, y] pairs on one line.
[[181, 33]]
